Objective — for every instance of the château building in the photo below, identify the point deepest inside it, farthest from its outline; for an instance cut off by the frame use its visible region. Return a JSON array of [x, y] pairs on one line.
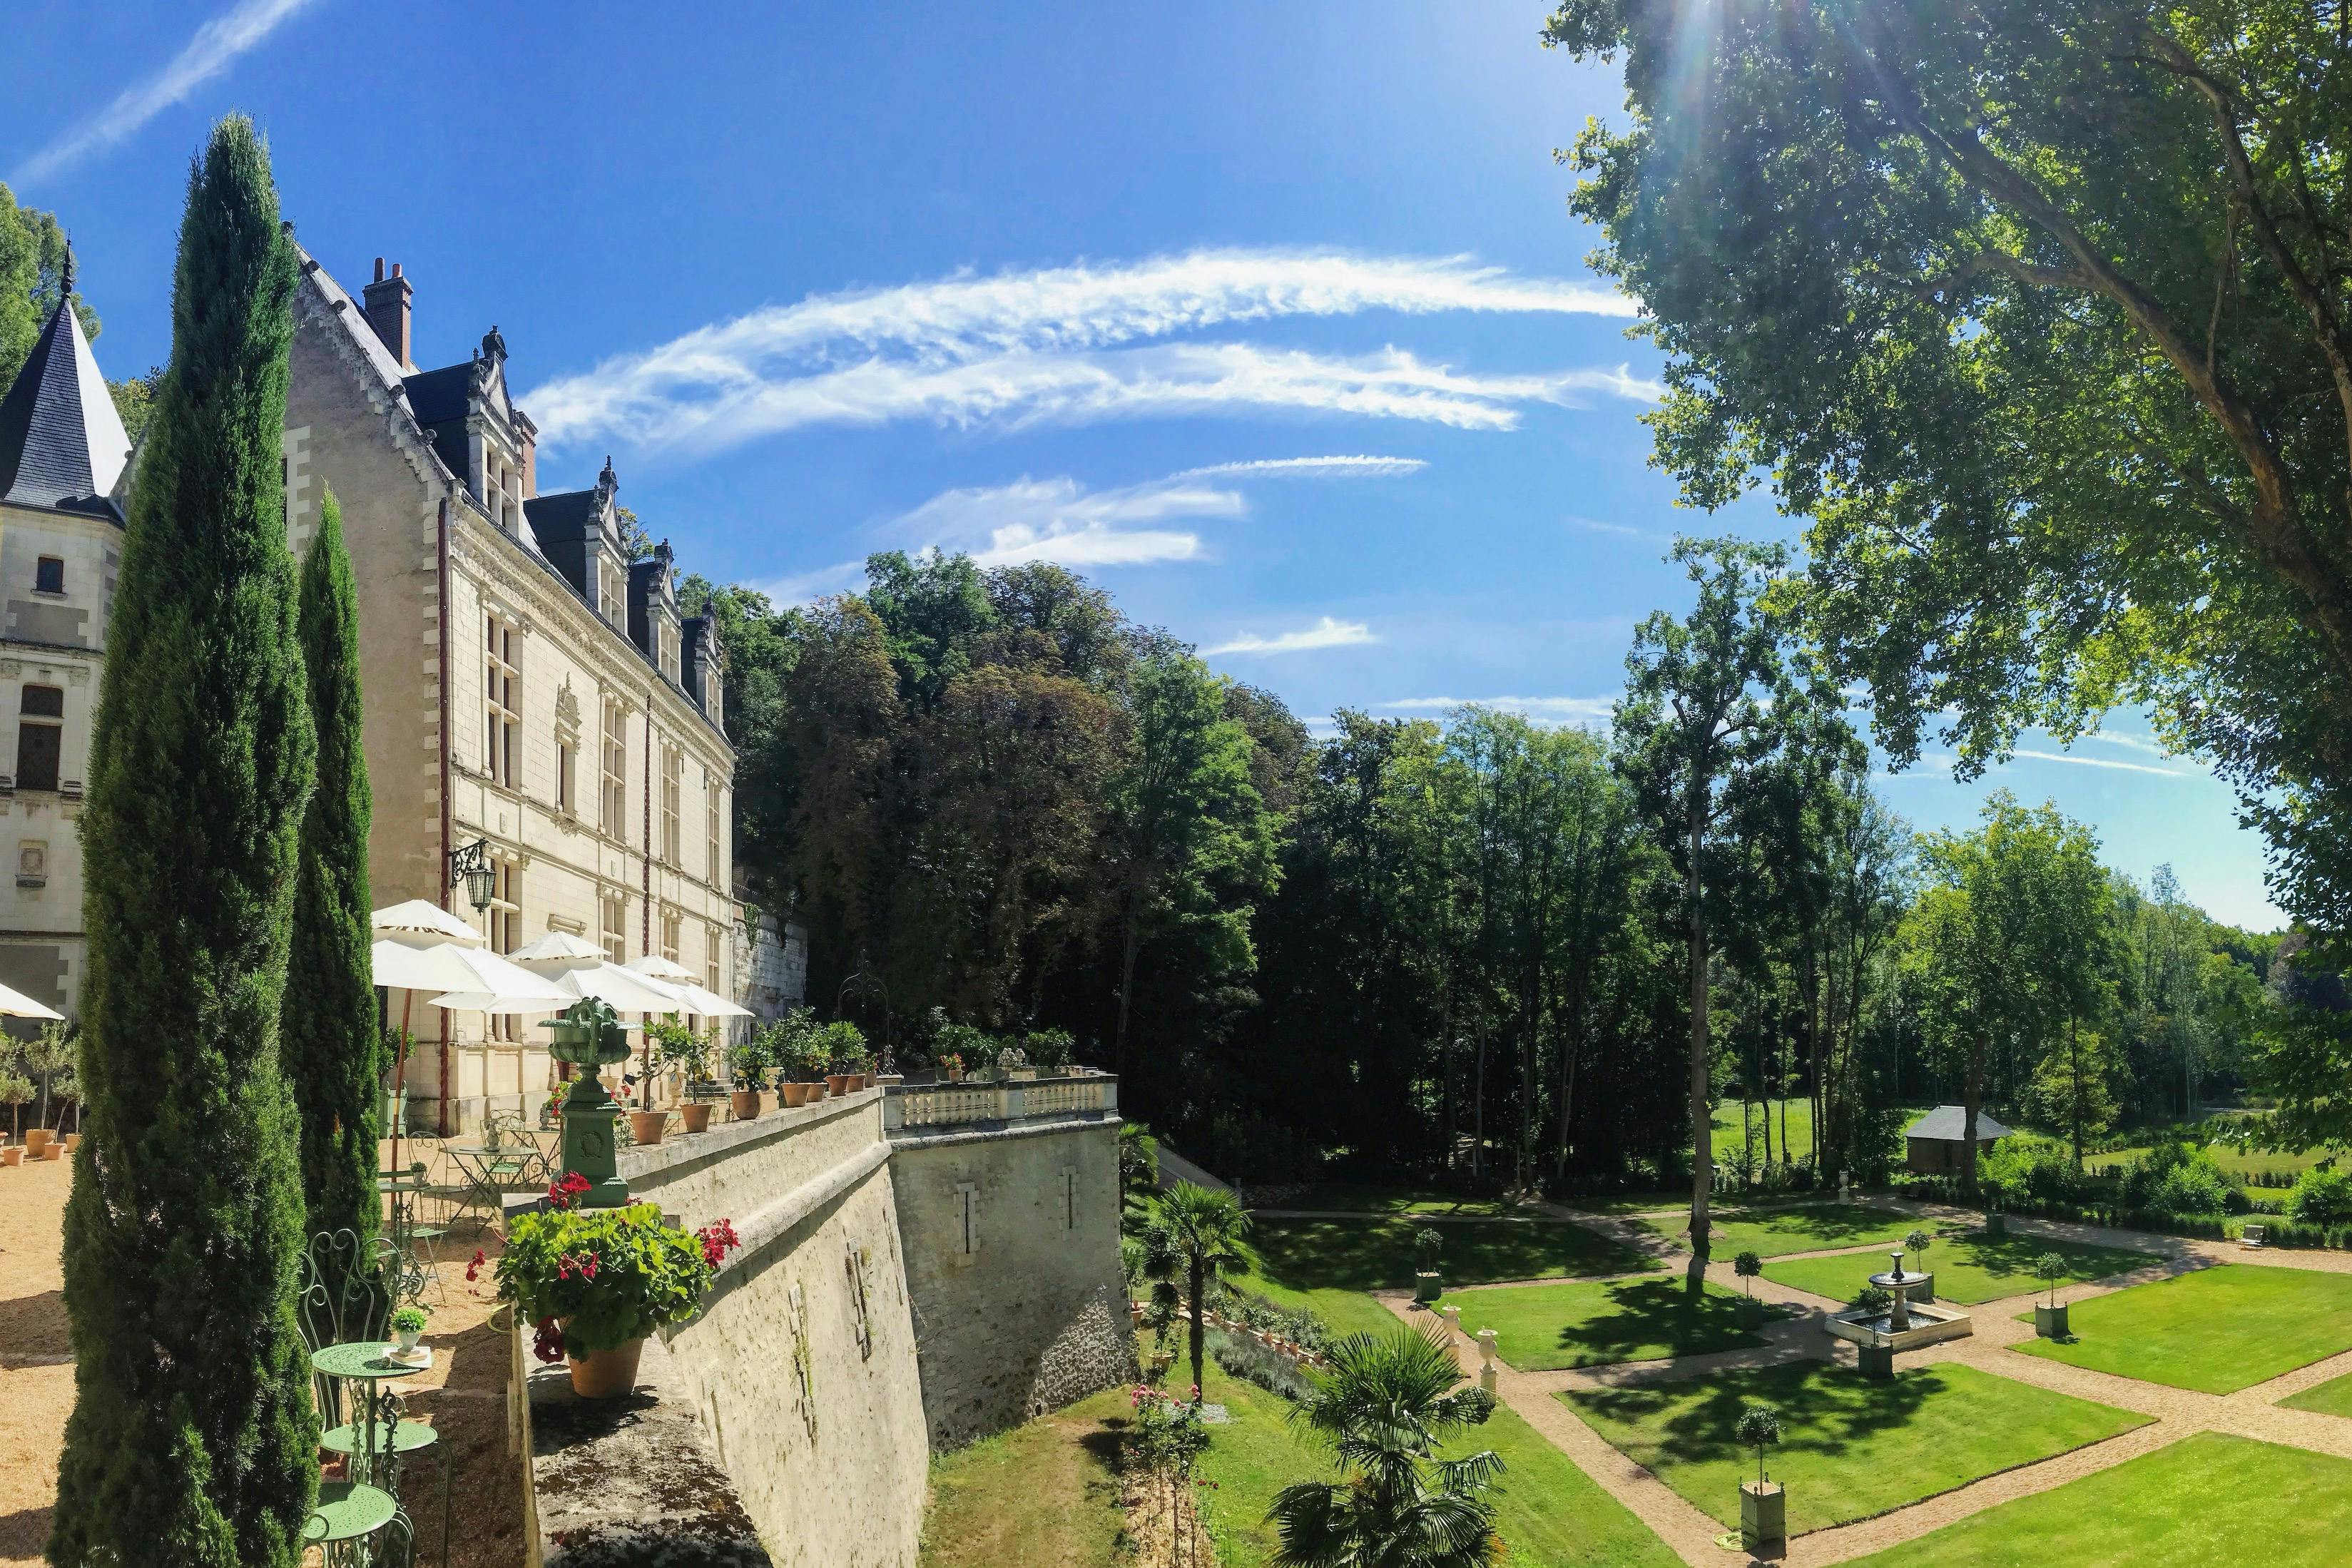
[[529, 688], [64, 461]]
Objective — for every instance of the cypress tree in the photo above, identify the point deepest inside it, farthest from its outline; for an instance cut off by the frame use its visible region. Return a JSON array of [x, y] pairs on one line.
[[332, 1050], [192, 1440]]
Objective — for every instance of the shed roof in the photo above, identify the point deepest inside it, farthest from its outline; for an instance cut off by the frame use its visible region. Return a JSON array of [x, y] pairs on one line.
[[1949, 1122]]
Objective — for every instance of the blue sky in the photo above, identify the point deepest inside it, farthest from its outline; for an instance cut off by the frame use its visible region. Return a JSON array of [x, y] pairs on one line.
[[1272, 318]]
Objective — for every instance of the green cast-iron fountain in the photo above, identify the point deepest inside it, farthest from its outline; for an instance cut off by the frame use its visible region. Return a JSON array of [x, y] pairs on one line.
[[588, 1034]]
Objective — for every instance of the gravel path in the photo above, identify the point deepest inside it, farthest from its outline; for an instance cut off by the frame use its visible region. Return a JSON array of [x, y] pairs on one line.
[[2175, 1413]]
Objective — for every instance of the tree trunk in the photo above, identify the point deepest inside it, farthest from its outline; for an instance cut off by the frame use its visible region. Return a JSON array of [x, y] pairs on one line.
[[2075, 1073], [1200, 1321], [1478, 1108], [1131, 944], [1702, 1138]]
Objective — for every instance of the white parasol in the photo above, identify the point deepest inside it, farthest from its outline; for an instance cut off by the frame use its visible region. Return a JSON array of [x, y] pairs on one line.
[[16, 1004], [692, 998]]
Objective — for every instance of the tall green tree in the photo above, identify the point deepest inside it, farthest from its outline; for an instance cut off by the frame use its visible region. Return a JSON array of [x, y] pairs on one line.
[[1187, 823], [1386, 1406], [192, 1440], [1709, 702], [1194, 1238], [2042, 311], [328, 1038]]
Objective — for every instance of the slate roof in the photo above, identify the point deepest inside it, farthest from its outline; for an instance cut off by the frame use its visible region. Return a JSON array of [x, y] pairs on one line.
[[62, 445], [1950, 1124]]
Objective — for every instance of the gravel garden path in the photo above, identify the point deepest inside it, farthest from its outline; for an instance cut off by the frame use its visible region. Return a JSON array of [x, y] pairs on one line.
[[2175, 1413]]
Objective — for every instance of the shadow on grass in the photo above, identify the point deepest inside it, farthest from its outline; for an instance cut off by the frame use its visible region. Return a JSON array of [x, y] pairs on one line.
[[1376, 1252], [2012, 1257], [1826, 1224], [1662, 1312], [1823, 1409]]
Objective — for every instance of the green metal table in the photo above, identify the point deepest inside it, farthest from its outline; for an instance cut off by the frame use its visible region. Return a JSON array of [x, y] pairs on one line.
[[365, 1364], [347, 1521]]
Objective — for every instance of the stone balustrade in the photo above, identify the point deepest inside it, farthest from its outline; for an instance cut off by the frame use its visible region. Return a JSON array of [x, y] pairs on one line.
[[914, 1111]]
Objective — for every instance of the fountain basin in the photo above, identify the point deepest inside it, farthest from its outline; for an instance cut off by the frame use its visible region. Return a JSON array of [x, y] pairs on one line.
[[1928, 1325]]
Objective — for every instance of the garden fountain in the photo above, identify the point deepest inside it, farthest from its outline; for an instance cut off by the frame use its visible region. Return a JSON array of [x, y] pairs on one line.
[[1902, 1324]]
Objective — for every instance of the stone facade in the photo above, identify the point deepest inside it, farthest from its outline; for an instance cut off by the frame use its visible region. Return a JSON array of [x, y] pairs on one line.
[[528, 686]]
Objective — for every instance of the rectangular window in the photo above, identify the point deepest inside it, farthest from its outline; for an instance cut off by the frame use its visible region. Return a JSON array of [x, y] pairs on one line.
[[712, 936], [616, 915], [669, 653], [670, 929], [615, 819], [505, 922], [49, 576], [502, 709], [566, 764], [713, 800], [672, 766], [40, 736]]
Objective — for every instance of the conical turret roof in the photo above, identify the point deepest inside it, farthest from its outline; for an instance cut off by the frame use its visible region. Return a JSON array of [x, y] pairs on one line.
[[62, 445]]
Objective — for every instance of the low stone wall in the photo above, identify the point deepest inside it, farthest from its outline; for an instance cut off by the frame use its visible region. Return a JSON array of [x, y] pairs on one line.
[[891, 1294], [1012, 1243]]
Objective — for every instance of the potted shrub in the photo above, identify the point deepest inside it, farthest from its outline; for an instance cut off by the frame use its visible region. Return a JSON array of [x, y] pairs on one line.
[[1748, 1265], [1012, 1065], [677, 1046], [596, 1282], [1428, 1245], [1048, 1050], [1878, 1351], [747, 1059], [1763, 1506], [951, 1068], [803, 1058], [1916, 1243], [2049, 1321], [407, 1324], [844, 1048], [15, 1091]]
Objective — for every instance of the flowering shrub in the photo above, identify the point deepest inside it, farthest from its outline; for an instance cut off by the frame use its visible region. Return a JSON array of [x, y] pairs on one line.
[[592, 1280]]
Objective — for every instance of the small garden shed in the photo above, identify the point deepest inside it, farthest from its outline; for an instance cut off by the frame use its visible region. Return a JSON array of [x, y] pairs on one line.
[[1937, 1141]]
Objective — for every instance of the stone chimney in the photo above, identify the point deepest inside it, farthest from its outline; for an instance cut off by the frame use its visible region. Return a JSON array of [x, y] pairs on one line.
[[388, 311]]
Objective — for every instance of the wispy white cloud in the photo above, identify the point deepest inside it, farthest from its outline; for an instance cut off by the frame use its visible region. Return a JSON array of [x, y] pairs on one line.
[[216, 47], [1554, 707], [802, 587], [1325, 633], [1075, 343], [1598, 525], [2135, 743], [2105, 763], [1357, 468]]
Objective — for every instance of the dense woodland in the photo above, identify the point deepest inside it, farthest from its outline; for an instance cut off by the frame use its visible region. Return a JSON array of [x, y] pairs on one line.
[[1453, 947]]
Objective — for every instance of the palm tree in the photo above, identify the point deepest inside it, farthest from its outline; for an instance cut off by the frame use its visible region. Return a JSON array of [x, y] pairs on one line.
[[1197, 1235], [1386, 1404]]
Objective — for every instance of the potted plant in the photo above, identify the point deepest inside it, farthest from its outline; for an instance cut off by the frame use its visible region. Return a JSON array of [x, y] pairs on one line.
[[1879, 1350], [1048, 1050], [1012, 1065], [801, 1057], [747, 1058], [407, 1324], [1763, 1506], [596, 1282], [951, 1068], [1748, 1265], [15, 1091], [1428, 1245], [674, 1044], [2049, 1321], [845, 1049], [1916, 1243]]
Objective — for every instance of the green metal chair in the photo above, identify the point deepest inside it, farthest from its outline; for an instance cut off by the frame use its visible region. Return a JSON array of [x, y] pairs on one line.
[[344, 1295]]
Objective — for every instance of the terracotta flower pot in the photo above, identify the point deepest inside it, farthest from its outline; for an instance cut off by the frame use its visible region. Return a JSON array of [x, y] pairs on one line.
[[744, 1103], [73, 1141], [870, 1079], [955, 1075], [37, 1139], [696, 1116], [836, 1083], [647, 1126], [14, 1155], [52, 1150], [796, 1096], [607, 1374]]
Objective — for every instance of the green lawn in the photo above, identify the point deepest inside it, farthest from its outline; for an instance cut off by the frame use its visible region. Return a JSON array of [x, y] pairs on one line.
[[2216, 1331], [1631, 1202], [2206, 1500], [1853, 1448], [1352, 1198], [1595, 1322], [2226, 1156], [1968, 1268], [1044, 1493], [1770, 1233], [1730, 1139], [1548, 1512], [1342, 1311], [1372, 1252], [2332, 1397]]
